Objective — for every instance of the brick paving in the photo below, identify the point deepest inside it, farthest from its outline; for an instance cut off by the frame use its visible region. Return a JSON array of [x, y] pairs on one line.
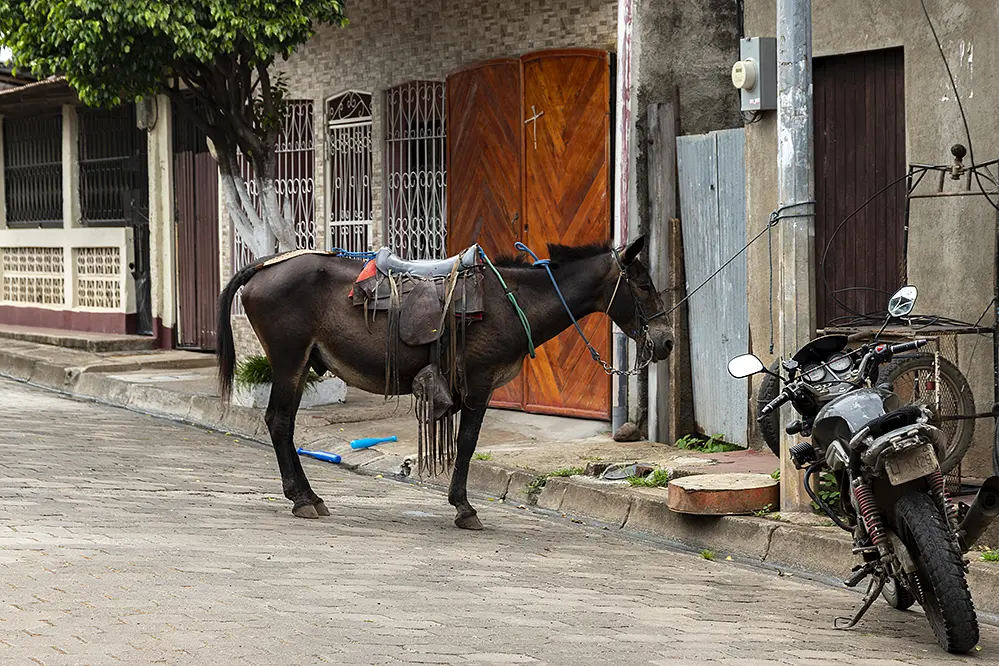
[[128, 539]]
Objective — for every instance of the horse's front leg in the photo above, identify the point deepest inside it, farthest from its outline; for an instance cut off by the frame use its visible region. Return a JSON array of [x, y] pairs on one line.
[[472, 413]]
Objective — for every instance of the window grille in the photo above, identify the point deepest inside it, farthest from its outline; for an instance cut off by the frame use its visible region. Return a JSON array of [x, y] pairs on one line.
[[294, 181], [348, 170], [416, 170], [32, 150], [113, 168]]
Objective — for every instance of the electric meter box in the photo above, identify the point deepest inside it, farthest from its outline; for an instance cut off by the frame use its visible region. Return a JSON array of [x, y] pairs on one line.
[[755, 75]]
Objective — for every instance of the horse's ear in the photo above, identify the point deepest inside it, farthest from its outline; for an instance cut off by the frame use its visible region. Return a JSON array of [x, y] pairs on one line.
[[634, 249]]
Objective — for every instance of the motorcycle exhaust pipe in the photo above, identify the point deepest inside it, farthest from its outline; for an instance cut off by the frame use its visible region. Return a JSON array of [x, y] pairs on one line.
[[981, 513]]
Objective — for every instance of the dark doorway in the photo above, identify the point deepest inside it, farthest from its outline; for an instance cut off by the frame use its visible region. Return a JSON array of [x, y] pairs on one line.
[[859, 149]]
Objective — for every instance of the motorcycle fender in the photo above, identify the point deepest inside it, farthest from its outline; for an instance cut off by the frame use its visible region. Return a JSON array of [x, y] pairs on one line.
[[911, 464]]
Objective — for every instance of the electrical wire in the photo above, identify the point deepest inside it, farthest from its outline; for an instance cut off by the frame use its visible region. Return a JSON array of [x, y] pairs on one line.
[[960, 106], [832, 237]]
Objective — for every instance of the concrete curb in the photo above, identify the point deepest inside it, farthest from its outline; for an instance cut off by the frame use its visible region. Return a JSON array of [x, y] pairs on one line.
[[824, 551]]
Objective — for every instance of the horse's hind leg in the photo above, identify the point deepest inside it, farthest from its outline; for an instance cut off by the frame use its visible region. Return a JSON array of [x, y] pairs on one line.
[[468, 436], [290, 369]]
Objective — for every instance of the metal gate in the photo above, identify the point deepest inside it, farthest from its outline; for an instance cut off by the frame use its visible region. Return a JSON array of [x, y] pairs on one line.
[[348, 170], [114, 188], [712, 179], [197, 205], [295, 182], [416, 170]]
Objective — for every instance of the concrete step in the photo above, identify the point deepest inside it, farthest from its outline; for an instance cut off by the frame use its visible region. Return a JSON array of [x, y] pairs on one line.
[[83, 340]]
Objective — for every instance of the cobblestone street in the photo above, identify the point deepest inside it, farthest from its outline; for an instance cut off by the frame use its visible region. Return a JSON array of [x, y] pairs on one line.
[[128, 539]]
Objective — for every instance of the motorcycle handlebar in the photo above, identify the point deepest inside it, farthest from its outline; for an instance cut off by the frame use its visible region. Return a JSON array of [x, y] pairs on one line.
[[907, 346], [784, 396]]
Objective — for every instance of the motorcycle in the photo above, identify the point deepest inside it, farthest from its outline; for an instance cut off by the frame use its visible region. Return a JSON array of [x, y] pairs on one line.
[[884, 456]]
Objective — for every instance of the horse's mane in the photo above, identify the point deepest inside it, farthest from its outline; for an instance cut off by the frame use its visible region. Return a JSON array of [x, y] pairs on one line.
[[559, 254]]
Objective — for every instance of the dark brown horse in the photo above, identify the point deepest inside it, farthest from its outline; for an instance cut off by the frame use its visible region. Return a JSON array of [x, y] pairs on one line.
[[301, 314]]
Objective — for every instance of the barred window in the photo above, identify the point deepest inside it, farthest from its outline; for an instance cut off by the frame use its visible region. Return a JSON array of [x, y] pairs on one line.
[[113, 178], [32, 151], [416, 170], [348, 170]]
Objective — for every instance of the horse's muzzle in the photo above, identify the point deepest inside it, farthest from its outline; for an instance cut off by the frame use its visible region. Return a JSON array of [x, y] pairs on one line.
[[662, 344]]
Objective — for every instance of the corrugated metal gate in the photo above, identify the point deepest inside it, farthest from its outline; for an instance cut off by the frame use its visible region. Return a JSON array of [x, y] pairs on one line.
[[196, 191], [713, 213]]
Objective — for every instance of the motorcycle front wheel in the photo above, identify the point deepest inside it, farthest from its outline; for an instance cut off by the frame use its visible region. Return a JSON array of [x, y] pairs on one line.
[[946, 598]]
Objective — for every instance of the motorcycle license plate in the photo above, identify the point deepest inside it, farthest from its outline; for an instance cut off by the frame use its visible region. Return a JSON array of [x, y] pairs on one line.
[[911, 464]]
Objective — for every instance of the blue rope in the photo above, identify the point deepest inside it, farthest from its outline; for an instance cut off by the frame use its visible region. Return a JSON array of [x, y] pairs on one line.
[[340, 252], [546, 263]]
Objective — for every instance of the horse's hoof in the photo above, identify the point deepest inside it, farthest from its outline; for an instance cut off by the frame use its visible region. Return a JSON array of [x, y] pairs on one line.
[[321, 509], [305, 511], [469, 522]]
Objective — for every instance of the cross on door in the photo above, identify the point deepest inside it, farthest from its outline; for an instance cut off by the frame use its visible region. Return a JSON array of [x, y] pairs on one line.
[[534, 119]]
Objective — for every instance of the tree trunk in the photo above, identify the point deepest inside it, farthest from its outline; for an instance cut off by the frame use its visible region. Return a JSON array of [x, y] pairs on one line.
[[260, 231]]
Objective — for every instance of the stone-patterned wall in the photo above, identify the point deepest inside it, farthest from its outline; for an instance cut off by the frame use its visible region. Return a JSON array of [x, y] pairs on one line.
[[388, 43]]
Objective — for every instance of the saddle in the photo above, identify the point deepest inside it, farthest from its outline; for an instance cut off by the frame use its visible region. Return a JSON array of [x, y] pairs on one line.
[[420, 292]]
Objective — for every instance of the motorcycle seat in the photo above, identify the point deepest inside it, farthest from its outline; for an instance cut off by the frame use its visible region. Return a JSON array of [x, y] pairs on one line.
[[905, 416]]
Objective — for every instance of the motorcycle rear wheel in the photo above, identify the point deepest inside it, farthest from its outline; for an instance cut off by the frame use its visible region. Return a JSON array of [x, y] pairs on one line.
[[910, 376], [896, 595], [946, 598]]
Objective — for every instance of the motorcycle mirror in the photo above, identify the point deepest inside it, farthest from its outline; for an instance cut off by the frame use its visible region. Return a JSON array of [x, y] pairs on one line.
[[902, 301], [744, 366]]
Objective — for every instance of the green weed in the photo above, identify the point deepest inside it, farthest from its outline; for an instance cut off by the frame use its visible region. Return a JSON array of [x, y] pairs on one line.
[[659, 478], [765, 511], [990, 555], [775, 475], [257, 370], [539, 482], [714, 444], [828, 491], [708, 555], [567, 471], [482, 456]]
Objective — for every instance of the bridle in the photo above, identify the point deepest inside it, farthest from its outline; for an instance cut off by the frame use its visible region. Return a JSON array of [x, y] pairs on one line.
[[642, 337]]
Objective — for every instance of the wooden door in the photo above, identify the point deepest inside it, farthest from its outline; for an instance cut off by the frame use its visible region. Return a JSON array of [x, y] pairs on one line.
[[859, 149], [567, 200], [196, 190], [484, 169]]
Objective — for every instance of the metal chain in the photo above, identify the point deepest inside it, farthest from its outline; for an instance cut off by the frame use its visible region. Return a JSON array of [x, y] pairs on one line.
[[639, 365]]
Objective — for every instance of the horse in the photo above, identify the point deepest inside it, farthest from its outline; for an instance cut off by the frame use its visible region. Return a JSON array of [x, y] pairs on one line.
[[302, 317]]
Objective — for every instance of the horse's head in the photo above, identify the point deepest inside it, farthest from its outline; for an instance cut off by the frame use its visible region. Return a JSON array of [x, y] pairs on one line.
[[635, 304]]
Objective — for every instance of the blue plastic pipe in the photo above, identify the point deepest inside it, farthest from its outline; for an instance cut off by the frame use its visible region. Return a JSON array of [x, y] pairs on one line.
[[321, 455], [371, 441]]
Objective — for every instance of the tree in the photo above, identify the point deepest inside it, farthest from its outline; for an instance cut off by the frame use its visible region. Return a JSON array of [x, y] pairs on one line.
[[211, 57]]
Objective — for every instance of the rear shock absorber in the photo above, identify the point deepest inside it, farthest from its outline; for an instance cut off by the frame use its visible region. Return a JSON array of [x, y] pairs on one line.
[[938, 490], [868, 509]]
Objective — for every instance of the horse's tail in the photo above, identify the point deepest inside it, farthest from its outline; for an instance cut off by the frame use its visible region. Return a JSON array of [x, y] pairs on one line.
[[225, 349]]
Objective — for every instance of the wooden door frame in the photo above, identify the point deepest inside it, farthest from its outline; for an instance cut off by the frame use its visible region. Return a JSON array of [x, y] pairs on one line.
[[609, 60]]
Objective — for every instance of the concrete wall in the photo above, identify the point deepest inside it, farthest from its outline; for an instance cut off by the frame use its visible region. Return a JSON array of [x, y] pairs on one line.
[[689, 44], [951, 247]]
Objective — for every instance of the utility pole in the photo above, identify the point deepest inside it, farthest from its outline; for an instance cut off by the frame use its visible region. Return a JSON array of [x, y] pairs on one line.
[[795, 191]]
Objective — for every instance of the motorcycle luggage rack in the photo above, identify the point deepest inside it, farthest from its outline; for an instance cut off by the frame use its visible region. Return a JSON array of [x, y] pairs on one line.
[[975, 180]]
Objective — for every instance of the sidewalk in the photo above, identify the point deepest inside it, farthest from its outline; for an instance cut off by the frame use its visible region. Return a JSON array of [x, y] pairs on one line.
[[520, 457]]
